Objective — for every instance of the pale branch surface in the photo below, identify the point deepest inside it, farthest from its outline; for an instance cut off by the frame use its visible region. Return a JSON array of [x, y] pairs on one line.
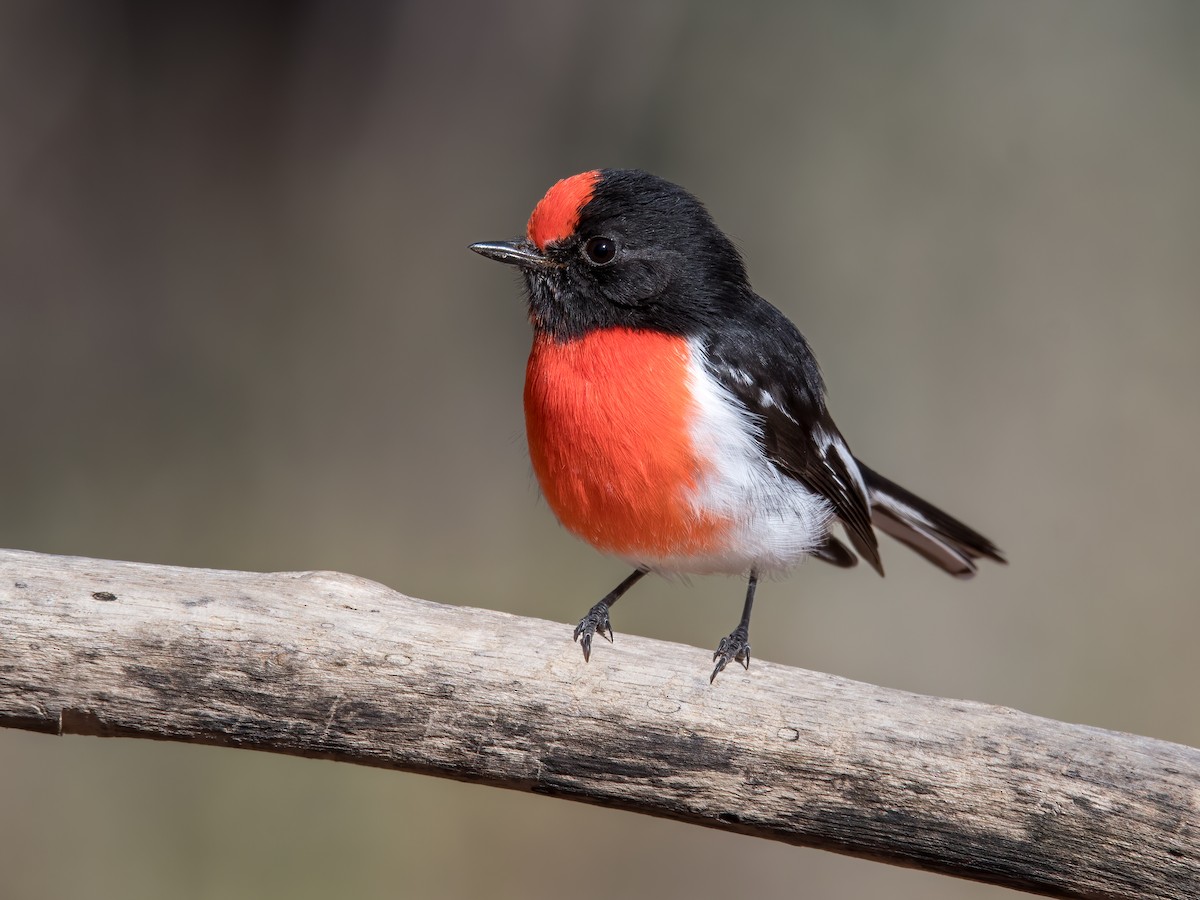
[[327, 665]]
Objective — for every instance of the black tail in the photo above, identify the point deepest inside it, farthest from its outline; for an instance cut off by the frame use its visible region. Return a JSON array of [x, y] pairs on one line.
[[937, 536]]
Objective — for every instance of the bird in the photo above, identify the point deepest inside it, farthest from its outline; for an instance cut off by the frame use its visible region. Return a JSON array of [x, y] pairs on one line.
[[677, 420]]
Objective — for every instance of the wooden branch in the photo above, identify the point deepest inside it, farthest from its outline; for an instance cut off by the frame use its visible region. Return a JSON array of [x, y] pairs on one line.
[[327, 665]]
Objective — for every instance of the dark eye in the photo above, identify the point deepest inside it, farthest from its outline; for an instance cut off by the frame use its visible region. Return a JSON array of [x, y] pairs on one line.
[[600, 250]]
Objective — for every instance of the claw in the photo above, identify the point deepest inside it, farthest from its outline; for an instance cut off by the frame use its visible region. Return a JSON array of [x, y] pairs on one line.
[[595, 622], [733, 648]]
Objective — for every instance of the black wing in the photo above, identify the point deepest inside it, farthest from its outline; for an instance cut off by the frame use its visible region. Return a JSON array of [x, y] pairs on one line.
[[762, 359]]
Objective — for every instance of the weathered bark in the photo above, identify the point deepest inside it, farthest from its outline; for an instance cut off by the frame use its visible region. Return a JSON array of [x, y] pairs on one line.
[[327, 665]]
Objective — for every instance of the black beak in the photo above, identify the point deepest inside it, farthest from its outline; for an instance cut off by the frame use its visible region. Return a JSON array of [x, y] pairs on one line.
[[515, 253]]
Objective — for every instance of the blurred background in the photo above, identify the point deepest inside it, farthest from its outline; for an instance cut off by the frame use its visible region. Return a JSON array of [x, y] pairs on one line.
[[239, 328]]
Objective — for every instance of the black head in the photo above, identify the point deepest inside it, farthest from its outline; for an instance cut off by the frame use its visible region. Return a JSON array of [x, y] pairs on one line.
[[621, 247]]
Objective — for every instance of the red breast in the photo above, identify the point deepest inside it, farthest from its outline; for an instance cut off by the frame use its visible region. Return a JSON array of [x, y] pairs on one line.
[[608, 417]]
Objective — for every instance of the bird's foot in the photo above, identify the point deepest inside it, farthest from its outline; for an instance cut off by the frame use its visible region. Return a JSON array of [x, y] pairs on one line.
[[735, 647], [595, 622]]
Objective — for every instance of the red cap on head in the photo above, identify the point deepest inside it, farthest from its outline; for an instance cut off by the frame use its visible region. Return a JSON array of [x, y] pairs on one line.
[[557, 214]]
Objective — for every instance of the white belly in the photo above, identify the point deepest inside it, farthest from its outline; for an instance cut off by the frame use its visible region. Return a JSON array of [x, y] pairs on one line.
[[775, 520]]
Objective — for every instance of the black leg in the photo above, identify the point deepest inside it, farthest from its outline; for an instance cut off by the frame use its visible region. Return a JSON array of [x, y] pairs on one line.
[[596, 621], [736, 646]]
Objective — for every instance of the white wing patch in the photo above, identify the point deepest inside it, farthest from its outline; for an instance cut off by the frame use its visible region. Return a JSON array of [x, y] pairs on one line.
[[766, 400], [741, 376], [835, 443]]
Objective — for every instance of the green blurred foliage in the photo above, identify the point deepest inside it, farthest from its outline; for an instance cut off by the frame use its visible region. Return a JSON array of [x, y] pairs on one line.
[[239, 328]]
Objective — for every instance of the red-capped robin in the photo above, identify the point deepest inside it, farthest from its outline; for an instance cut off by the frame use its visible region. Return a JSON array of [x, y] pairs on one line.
[[676, 419]]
